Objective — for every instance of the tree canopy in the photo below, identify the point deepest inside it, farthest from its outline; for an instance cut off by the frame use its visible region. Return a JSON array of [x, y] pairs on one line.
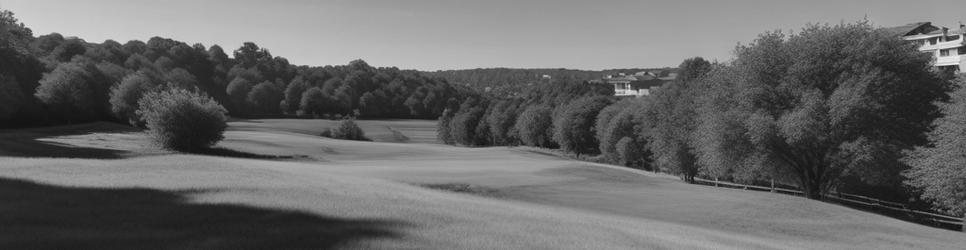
[[939, 168], [826, 102]]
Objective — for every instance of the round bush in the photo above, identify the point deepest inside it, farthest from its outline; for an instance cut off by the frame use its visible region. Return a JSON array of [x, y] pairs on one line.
[[349, 130], [182, 120]]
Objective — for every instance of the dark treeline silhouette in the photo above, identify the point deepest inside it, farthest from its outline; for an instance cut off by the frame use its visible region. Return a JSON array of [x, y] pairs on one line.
[[53, 79], [485, 121], [831, 108], [507, 82]]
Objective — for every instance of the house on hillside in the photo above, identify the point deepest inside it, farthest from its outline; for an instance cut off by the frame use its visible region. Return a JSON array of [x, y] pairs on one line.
[[636, 85], [948, 47]]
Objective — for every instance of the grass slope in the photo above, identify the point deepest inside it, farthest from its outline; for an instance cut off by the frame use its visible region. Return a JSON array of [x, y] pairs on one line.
[[412, 131], [399, 196]]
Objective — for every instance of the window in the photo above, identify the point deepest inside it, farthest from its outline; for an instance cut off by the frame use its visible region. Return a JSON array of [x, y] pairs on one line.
[[944, 52], [962, 50]]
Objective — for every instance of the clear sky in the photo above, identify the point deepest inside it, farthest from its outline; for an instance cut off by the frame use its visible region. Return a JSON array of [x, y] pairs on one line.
[[458, 34]]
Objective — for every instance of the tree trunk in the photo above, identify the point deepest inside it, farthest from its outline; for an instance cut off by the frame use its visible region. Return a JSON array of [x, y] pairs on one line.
[[812, 188]]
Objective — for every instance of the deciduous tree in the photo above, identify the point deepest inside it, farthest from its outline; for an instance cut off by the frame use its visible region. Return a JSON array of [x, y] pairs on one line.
[[823, 103]]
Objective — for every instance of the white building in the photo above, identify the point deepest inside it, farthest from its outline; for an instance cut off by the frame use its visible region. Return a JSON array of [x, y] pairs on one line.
[[946, 46], [638, 84]]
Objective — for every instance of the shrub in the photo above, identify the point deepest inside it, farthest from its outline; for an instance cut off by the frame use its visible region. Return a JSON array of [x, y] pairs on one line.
[[182, 120], [347, 130]]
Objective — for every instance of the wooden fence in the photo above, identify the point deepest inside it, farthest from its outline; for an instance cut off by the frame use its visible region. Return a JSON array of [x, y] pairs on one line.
[[935, 219]]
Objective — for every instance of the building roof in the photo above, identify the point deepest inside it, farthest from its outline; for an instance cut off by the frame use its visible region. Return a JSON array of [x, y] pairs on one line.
[[912, 29]]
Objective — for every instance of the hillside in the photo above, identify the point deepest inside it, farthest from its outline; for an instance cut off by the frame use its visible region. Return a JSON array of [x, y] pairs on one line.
[[363, 195]]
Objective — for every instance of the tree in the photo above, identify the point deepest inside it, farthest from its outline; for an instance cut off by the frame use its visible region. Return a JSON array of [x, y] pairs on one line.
[[238, 92], [574, 126], [293, 94], [939, 168], [181, 78], [672, 117], [313, 102], [827, 102], [463, 126], [629, 151], [692, 69], [442, 127], [535, 126], [125, 96], [182, 120], [265, 97], [500, 121], [11, 98], [629, 122], [373, 104], [68, 49], [71, 91], [249, 54]]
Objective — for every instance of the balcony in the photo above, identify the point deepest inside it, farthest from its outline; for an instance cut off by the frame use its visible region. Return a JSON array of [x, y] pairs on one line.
[[943, 45], [949, 60]]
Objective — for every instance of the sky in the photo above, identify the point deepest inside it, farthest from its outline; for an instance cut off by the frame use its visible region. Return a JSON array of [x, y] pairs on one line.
[[458, 34]]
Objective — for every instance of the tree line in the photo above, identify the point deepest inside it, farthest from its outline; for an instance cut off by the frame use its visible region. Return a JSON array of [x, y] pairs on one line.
[[52, 79], [848, 107], [509, 83]]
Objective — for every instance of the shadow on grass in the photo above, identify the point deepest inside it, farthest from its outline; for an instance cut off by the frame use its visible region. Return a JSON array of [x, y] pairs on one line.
[[464, 188], [225, 152], [38, 216], [31, 147], [25, 143]]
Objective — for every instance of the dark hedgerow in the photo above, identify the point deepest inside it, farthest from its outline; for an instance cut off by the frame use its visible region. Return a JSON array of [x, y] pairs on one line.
[[182, 120]]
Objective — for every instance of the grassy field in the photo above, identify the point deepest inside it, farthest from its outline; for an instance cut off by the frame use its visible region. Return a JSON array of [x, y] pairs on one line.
[[411, 131], [118, 192]]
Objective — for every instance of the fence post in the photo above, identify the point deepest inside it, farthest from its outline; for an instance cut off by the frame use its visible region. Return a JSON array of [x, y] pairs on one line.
[[773, 184], [715, 181]]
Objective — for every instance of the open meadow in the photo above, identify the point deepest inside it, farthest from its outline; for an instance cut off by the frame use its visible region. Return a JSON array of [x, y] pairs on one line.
[[276, 184]]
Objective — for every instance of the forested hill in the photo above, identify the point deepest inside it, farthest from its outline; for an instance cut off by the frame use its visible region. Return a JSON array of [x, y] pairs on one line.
[[506, 82]]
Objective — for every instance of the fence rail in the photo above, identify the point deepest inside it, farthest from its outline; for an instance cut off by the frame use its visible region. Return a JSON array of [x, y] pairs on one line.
[[855, 200]]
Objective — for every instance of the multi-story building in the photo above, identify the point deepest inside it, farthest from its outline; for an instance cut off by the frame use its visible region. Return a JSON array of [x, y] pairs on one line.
[[638, 84], [946, 46]]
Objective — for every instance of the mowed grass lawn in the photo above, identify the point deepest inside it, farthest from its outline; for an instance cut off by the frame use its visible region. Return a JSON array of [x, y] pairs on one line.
[[410, 131], [365, 195]]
